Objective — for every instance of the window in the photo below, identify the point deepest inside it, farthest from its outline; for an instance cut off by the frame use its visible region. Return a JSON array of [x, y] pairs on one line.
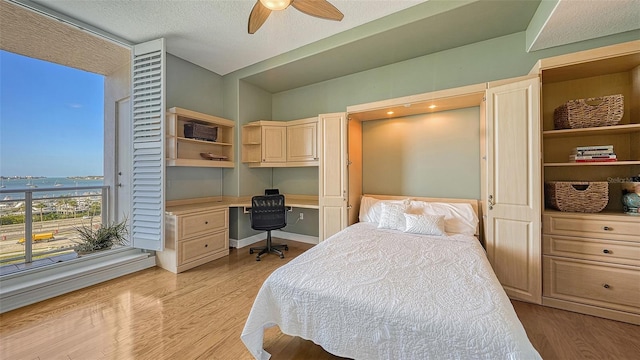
[[102, 68], [52, 137]]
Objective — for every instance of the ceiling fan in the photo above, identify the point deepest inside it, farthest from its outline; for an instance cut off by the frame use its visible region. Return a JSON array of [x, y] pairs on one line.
[[318, 8]]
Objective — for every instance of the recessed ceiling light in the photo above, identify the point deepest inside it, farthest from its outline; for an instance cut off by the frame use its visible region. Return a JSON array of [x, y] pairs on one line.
[[389, 112], [432, 106]]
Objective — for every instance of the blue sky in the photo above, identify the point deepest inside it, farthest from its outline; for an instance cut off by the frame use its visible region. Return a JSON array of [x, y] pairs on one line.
[[51, 119]]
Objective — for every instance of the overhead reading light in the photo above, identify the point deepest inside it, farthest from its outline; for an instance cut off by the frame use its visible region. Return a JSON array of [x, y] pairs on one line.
[[432, 106], [318, 8], [276, 4], [389, 112]]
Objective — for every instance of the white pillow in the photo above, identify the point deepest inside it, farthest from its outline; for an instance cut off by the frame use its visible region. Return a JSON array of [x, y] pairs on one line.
[[392, 216], [371, 209], [459, 218], [424, 224]]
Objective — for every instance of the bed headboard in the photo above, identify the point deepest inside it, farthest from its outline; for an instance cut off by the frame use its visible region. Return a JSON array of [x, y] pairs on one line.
[[473, 202]]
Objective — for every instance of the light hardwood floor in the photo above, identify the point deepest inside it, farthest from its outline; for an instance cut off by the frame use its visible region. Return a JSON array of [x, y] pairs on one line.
[[199, 314]]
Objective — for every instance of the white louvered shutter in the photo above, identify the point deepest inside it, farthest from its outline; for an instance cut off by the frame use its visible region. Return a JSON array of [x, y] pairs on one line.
[[148, 104]]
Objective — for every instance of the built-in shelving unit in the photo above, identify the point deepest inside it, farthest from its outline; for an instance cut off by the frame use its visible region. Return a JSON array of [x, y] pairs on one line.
[[182, 151], [590, 260], [578, 76]]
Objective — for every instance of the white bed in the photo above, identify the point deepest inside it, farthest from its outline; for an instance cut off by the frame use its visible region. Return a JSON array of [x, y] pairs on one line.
[[371, 293]]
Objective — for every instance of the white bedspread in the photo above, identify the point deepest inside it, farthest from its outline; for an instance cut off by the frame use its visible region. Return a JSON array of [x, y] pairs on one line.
[[367, 293]]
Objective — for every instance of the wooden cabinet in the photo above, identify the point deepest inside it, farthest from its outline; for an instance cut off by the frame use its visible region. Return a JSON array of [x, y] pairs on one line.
[[274, 144], [592, 264], [302, 141], [333, 182], [513, 187], [585, 252], [182, 151], [194, 235], [280, 143]]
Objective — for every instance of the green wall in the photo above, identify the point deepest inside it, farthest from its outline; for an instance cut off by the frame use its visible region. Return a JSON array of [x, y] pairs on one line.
[[422, 155], [255, 105], [194, 88], [494, 59], [500, 58]]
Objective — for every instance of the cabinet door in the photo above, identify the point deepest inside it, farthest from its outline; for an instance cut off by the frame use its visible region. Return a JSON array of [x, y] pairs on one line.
[[514, 187], [332, 195], [302, 142], [274, 144]]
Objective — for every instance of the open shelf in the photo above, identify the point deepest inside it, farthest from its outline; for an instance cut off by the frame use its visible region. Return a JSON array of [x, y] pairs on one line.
[[603, 163], [602, 130], [183, 151]]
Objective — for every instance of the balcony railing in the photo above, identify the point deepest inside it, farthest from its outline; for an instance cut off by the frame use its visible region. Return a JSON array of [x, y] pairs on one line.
[[38, 226]]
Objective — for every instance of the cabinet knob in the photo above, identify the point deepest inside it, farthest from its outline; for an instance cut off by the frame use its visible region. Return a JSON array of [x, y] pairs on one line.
[[206, 222], [607, 228], [207, 245], [606, 251], [606, 286]]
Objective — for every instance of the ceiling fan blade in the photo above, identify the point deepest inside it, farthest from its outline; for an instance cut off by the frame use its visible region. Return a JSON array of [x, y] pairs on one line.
[[258, 16], [318, 8]]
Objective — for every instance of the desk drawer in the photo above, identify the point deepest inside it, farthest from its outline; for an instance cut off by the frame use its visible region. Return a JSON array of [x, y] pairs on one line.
[[204, 222], [609, 286], [583, 225], [619, 252], [203, 246]]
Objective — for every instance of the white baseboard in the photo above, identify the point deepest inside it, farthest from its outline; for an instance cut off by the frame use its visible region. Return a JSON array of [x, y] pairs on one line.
[[276, 233], [28, 287]]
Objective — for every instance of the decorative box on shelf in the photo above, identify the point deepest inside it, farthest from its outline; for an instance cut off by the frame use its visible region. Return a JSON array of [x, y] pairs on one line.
[[200, 132], [591, 112], [576, 196]]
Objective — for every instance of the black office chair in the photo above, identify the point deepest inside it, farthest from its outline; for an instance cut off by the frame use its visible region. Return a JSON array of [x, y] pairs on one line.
[[268, 213]]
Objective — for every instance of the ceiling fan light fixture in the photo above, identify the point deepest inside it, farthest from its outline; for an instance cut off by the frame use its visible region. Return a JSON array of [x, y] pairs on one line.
[[276, 4]]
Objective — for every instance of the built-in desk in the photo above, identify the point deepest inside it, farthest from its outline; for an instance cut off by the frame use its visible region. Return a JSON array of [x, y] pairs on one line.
[[197, 230], [186, 206]]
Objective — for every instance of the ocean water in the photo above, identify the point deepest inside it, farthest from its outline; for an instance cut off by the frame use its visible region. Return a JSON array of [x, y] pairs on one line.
[[13, 189]]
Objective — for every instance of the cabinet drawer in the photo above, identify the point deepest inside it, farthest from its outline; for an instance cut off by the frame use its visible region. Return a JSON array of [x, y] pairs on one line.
[[619, 252], [582, 225], [203, 246], [614, 287], [200, 223]]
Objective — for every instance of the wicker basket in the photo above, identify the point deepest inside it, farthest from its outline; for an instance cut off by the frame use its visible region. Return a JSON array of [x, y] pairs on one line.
[[575, 196], [592, 112]]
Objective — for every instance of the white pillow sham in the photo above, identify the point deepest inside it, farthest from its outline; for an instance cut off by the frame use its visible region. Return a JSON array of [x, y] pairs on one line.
[[459, 218], [393, 216], [424, 224], [371, 209]]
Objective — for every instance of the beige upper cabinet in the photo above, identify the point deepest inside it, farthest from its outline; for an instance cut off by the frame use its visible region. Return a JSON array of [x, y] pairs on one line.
[[513, 187], [274, 145], [280, 143], [302, 141]]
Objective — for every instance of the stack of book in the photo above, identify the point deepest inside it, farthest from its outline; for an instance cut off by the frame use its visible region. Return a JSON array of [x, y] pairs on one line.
[[596, 153]]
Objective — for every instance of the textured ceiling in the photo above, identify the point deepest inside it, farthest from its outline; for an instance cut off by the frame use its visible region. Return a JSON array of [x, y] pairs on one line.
[[213, 33], [576, 20], [295, 49]]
